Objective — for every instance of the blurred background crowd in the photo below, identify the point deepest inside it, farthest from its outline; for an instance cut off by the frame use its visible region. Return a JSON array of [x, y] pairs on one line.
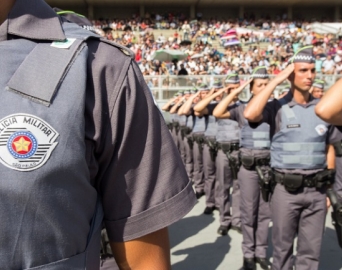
[[213, 47]]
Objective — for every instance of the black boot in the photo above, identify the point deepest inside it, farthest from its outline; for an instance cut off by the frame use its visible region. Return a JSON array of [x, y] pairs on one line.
[[199, 194], [223, 230], [263, 262], [249, 264], [209, 210]]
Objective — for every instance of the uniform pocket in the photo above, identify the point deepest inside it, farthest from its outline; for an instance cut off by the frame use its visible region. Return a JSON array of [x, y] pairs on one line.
[[76, 262]]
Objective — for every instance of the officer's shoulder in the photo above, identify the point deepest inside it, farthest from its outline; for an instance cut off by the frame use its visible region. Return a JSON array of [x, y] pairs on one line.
[[74, 31], [121, 48]]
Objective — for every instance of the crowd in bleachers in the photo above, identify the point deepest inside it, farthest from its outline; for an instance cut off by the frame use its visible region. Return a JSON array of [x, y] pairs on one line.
[[263, 42]]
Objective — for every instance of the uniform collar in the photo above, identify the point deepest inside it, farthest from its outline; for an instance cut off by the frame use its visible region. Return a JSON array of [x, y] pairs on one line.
[[291, 101], [34, 19]]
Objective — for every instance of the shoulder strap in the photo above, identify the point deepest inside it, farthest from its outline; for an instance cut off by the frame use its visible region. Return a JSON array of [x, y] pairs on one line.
[[74, 31], [290, 115], [125, 50], [43, 70]]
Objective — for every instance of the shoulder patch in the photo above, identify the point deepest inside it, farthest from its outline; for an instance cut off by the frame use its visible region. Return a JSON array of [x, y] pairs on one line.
[[321, 129], [26, 142], [66, 44]]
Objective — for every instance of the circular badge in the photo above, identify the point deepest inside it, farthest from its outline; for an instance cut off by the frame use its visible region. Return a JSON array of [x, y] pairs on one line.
[[26, 142], [22, 145]]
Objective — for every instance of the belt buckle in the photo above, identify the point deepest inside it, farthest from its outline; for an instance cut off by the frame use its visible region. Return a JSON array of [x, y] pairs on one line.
[[235, 146], [259, 162]]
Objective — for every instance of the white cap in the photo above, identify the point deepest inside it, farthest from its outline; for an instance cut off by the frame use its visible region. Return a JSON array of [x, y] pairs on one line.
[[337, 59]]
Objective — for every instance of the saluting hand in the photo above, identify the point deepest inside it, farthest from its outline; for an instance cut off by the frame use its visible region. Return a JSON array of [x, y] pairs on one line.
[[212, 91], [238, 90], [282, 76], [197, 94]]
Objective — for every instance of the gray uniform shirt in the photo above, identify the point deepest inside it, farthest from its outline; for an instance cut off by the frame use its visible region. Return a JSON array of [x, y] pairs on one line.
[[132, 161], [236, 113], [272, 116]]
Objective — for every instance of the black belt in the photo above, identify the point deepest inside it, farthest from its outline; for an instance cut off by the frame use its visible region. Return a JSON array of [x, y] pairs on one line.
[[187, 130], [199, 138], [228, 147], [249, 162], [293, 182], [210, 141]]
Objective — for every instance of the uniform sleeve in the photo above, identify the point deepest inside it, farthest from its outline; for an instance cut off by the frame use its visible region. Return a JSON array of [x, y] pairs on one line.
[[211, 108], [334, 134], [234, 114], [268, 112], [140, 176], [271, 116]]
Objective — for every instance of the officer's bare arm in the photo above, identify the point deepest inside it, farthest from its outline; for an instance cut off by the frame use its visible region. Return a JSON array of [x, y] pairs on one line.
[[186, 109], [330, 106], [179, 112], [175, 108], [254, 109], [330, 164], [201, 107], [330, 157], [166, 107], [5, 7], [220, 110], [151, 251]]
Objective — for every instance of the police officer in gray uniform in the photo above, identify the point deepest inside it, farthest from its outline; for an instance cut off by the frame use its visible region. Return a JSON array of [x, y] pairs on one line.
[[176, 119], [338, 159], [299, 163], [181, 122], [330, 109], [81, 144], [166, 108], [173, 124], [183, 128], [317, 90], [188, 138], [254, 160], [283, 92], [200, 124], [206, 107], [227, 138], [330, 106]]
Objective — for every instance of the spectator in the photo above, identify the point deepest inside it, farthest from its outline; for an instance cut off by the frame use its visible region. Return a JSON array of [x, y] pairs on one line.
[[328, 65], [284, 39], [338, 65], [318, 64], [186, 30], [182, 70]]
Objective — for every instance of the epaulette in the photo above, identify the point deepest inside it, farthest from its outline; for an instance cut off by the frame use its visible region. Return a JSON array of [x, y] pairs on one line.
[[125, 50]]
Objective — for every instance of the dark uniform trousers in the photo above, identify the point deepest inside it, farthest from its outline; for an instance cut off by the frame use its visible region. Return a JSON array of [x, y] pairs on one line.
[[209, 171], [174, 137], [189, 165], [225, 181], [303, 213], [338, 176], [198, 177], [181, 146], [255, 215]]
